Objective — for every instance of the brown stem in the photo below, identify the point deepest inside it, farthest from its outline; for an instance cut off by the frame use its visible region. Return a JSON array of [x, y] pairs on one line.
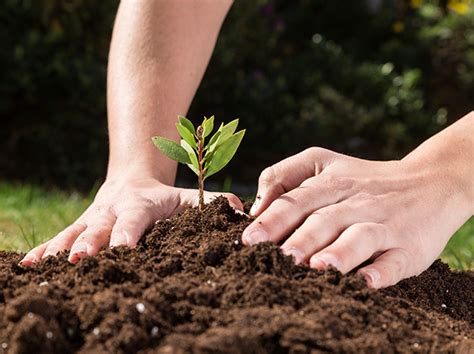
[[200, 151]]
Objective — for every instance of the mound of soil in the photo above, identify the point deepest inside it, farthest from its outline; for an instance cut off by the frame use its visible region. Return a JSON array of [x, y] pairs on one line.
[[191, 286]]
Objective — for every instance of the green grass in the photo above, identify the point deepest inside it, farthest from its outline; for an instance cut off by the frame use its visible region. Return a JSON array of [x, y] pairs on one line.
[[30, 215]]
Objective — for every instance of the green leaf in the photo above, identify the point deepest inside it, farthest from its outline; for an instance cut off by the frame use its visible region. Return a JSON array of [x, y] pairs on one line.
[[224, 153], [208, 125], [228, 130], [171, 149], [187, 124], [194, 165], [186, 135], [213, 142]]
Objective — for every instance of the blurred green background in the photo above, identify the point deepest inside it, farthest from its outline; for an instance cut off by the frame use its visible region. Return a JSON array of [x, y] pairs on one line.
[[371, 78]]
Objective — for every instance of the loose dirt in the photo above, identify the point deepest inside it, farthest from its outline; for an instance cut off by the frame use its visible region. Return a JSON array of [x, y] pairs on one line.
[[192, 287]]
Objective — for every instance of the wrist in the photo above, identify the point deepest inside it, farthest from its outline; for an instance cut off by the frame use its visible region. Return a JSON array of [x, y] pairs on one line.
[[448, 158], [142, 168]]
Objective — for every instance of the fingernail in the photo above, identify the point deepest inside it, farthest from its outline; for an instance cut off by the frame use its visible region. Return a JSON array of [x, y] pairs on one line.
[[28, 260], [297, 254], [322, 261], [80, 248], [256, 236], [119, 239], [371, 276], [130, 241], [253, 210]]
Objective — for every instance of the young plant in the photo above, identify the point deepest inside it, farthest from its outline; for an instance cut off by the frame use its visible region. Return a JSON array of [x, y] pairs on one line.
[[204, 159]]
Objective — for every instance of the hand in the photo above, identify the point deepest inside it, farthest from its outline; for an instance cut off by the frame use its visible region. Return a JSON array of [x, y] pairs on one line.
[[337, 210], [120, 214]]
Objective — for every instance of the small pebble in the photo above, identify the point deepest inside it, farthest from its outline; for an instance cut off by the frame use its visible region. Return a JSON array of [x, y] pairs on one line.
[[140, 307], [96, 331], [43, 283], [444, 306], [4, 345], [154, 331], [416, 345], [49, 334], [384, 326], [30, 314]]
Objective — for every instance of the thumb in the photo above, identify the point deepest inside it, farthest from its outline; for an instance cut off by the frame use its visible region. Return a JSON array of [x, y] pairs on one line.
[[287, 175]]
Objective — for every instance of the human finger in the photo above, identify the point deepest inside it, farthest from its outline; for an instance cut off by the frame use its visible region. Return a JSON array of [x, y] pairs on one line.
[[354, 246], [387, 269], [286, 175], [321, 228], [34, 255], [289, 211], [64, 240], [130, 226], [95, 236]]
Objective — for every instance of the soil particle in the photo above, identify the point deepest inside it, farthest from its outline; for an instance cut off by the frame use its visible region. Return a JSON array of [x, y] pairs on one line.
[[190, 286]]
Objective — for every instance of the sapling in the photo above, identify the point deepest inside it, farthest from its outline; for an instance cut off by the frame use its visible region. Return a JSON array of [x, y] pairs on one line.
[[204, 159]]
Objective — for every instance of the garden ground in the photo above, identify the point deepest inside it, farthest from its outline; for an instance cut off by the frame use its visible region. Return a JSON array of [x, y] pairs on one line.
[[30, 215]]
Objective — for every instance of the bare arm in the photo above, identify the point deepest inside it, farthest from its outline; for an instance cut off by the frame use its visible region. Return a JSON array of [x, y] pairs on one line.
[[159, 52]]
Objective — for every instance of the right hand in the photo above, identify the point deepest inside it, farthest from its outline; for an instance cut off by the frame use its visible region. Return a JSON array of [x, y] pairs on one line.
[[119, 215]]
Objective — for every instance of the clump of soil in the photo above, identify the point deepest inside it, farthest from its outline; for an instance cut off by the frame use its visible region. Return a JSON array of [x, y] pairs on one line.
[[191, 286]]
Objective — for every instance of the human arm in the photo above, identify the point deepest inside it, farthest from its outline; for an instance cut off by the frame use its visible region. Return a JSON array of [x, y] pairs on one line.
[[158, 55], [334, 209]]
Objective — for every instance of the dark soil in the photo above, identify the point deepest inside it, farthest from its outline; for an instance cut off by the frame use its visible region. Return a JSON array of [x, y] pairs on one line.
[[190, 286]]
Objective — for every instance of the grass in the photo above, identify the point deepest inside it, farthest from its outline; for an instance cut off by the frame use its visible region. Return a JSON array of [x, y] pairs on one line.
[[30, 215]]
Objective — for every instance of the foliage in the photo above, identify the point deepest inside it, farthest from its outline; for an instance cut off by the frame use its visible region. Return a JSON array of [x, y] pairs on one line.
[[368, 78], [203, 159]]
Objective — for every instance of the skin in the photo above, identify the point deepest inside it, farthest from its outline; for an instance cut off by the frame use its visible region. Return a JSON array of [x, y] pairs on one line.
[[159, 52], [324, 208], [331, 209]]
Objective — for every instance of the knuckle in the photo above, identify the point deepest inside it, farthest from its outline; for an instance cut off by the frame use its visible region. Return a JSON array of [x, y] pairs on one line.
[[315, 152], [368, 229], [98, 230], [321, 215], [268, 175], [375, 233], [400, 266], [362, 229], [308, 183]]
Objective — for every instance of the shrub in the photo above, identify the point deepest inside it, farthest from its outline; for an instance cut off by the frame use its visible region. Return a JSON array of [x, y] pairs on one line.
[[365, 80]]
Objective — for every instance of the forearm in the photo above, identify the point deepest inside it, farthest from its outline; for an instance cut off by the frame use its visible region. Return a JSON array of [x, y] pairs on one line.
[[159, 52], [451, 152]]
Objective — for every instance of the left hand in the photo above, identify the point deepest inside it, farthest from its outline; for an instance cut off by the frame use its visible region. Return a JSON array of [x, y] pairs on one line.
[[337, 210]]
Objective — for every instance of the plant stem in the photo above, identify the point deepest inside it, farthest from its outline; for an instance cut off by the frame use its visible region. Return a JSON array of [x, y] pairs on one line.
[[200, 151]]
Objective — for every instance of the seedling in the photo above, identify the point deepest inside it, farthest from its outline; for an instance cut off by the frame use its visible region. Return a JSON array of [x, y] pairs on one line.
[[204, 159]]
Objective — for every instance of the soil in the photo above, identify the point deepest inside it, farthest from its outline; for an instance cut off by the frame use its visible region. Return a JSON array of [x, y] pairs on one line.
[[191, 287]]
